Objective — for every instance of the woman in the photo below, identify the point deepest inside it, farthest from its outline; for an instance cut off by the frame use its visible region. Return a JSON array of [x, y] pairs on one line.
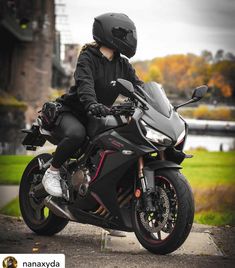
[[98, 65]]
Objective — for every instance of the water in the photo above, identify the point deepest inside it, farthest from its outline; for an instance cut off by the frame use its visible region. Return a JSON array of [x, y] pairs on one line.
[[211, 143]]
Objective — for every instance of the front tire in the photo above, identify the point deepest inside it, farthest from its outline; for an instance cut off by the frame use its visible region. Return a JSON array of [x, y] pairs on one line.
[[165, 230], [35, 214]]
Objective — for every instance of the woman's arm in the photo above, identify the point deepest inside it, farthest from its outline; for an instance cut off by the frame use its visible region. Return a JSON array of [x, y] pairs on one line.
[[84, 80], [133, 78]]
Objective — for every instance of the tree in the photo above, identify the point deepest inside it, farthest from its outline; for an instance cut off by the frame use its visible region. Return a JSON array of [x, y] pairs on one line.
[[219, 55], [179, 73], [223, 77], [229, 56], [207, 55], [154, 74], [218, 81]]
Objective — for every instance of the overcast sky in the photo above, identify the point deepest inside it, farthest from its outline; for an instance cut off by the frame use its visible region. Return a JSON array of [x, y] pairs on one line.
[[163, 26]]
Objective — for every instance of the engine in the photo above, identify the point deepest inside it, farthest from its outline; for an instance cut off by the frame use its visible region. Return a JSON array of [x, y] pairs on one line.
[[80, 181]]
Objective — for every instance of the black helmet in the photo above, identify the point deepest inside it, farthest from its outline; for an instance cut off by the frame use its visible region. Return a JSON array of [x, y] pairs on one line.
[[116, 30]]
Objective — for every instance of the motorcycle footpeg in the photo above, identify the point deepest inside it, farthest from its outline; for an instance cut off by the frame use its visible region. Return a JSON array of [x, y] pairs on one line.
[[65, 190]]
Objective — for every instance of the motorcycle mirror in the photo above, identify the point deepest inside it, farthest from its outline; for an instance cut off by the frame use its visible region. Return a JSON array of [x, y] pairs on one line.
[[125, 87], [199, 92]]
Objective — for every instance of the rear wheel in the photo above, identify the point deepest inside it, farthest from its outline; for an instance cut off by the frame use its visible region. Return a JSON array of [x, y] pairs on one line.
[[165, 229], [37, 217]]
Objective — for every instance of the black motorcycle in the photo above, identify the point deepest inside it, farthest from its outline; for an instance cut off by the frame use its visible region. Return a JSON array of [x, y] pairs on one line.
[[126, 176]]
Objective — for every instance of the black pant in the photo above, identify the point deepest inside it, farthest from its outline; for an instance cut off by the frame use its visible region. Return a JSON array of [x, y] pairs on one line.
[[70, 133]]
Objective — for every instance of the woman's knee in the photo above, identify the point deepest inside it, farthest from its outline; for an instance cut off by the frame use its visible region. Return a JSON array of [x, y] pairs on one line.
[[71, 128], [78, 135]]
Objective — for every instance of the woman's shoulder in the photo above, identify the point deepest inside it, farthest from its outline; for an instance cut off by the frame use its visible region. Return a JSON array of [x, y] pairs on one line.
[[90, 51], [85, 54]]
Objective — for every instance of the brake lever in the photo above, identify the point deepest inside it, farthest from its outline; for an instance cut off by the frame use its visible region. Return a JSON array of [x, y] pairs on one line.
[[113, 111]]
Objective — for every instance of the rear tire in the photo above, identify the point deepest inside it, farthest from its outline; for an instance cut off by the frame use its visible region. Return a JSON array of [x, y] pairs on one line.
[[34, 213], [177, 224]]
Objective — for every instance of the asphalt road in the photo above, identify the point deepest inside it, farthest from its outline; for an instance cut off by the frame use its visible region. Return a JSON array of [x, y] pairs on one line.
[[81, 245]]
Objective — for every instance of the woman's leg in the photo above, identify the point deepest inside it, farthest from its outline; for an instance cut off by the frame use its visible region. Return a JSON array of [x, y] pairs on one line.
[[71, 134]]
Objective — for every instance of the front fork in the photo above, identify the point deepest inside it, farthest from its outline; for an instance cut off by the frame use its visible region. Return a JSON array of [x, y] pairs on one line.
[[147, 182]]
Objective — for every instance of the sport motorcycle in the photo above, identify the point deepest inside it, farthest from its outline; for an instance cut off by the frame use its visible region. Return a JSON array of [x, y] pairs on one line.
[[126, 176]]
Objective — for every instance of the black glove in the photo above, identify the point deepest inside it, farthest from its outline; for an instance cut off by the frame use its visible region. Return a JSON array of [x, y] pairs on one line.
[[98, 109]]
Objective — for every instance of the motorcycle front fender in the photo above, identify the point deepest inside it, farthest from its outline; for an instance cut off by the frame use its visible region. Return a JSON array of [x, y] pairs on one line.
[[161, 164], [150, 168]]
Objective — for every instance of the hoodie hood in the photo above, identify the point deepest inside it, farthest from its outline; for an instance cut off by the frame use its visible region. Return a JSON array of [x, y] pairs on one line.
[[96, 51]]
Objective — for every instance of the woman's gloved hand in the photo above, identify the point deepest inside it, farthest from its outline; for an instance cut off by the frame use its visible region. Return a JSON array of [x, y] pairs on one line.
[[98, 109]]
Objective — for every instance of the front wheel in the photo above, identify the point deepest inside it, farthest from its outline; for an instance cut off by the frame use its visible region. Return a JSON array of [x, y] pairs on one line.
[[37, 217], [165, 230]]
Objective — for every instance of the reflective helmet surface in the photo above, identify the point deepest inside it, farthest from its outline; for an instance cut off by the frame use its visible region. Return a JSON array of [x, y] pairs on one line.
[[117, 31]]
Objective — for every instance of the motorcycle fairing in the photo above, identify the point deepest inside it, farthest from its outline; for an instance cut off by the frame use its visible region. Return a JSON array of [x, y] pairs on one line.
[[98, 125], [106, 186], [114, 166], [104, 191], [172, 126], [156, 97]]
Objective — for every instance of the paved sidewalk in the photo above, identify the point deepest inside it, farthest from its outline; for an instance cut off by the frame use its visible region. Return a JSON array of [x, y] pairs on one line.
[[83, 247], [7, 193], [197, 244]]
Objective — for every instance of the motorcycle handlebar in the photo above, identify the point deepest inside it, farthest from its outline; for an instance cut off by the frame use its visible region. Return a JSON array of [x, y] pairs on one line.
[[126, 109]]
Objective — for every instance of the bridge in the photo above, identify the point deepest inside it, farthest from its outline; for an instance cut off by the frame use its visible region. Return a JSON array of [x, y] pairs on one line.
[[211, 127]]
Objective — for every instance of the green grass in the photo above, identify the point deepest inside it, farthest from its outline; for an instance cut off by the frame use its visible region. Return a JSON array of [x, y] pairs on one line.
[[12, 167], [208, 169], [215, 218], [12, 208], [209, 173], [205, 169]]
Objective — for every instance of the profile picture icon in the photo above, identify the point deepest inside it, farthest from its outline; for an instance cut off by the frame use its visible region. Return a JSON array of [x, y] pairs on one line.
[[9, 262]]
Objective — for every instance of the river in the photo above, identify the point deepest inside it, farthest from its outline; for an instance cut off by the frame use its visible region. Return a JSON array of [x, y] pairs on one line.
[[211, 143]]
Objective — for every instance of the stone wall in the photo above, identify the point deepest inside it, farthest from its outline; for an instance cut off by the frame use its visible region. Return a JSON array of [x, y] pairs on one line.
[[29, 73], [12, 121], [32, 62]]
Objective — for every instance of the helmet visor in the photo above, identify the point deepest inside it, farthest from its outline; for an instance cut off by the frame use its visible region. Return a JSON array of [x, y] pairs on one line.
[[123, 34], [120, 33], [131, 38]]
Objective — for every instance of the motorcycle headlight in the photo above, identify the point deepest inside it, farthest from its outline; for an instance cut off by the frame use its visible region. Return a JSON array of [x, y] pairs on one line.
[[155, 136], [181, 138]]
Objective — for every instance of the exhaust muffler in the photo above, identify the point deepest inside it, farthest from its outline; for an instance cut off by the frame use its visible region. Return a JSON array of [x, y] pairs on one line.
[[57, 209]]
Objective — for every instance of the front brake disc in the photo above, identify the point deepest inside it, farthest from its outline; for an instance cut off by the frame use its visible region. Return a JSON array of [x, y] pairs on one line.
[[149, 220]]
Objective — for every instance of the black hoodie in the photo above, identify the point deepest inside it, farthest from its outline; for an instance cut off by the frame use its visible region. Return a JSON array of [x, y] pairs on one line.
[[93, 75]]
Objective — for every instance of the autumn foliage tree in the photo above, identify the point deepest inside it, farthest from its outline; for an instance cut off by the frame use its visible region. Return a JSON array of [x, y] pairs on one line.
[[179, 73], [222, 77]]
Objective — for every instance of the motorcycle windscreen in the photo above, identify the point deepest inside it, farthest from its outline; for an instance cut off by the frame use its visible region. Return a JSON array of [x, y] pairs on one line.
[[157, 98]]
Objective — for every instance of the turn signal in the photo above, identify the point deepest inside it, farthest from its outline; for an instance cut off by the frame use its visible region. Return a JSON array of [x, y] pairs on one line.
[[137, 193]]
